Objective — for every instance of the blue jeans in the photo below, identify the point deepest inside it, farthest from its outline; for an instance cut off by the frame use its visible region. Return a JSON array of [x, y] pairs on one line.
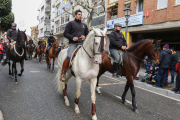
[[162, 74], [172, 75]]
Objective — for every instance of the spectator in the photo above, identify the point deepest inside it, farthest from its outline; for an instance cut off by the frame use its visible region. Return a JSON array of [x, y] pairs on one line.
[[165, 60], [177, 89], [1, 51], [174, 62], [147, 64], [4, 47]]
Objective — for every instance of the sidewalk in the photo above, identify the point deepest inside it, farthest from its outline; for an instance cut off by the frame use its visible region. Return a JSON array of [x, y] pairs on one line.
[[166, 91]]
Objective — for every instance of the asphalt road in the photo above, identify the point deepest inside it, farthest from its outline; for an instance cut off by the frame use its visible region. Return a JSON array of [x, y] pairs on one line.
[[36, 98]]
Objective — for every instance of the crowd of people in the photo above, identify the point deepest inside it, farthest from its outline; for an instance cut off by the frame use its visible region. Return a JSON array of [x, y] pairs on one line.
[[2, 49]]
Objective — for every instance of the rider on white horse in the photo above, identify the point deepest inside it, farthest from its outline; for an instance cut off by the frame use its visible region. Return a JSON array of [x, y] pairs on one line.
[[75, 32]]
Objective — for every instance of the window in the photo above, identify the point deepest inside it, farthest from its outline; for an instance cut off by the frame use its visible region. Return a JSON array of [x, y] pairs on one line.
[[41, 31], [62, 20], [139, 6], [114, 11], [98, 10], [57, 10], [177, 1], [66, 18], [42, 8], [162, 4], [42, 19]]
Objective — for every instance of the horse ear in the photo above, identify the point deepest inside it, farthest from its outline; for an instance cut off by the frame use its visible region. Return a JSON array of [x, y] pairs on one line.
[[24, 30], [104, 31], [95, 30]]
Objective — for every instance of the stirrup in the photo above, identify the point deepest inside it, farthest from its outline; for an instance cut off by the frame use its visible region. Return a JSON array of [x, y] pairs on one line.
[[64, 78]]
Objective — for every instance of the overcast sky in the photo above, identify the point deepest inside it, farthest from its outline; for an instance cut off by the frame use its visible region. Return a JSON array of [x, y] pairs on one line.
[[26, 13]]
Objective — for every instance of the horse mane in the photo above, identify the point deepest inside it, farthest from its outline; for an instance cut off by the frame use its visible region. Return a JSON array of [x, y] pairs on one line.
[[133, 47], [24, 34]]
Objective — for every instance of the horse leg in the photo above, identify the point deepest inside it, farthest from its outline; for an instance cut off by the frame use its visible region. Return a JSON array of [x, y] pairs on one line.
[[15, 71], [22, 68], [68, 76], [12, 70], [53, 65], [78, 93], [133, 98], [49, 63], [124, 93], [102, 71], [9, 63], [93, 97]]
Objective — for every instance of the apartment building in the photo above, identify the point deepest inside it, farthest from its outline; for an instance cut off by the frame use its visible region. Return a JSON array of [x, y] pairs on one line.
[[157, 19], [44, 17], [34, 34]]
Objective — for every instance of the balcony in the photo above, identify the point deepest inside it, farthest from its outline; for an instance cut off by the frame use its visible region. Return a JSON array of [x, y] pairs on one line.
[[37, 17], [48, 0], [48, 9], [58, 2], [47, 27], [47, 21], [98, 21], [47, 33]]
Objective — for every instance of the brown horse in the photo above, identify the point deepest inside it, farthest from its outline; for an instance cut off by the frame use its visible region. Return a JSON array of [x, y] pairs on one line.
[[30, 50], [131, 64], [52, 54], [40, 50]]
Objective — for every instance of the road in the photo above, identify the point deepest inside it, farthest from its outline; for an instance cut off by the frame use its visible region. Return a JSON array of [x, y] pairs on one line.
[[36, 98]]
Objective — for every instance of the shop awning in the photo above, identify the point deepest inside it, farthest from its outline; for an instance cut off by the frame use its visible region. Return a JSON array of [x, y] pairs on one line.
[[112, 3], [127, 2]]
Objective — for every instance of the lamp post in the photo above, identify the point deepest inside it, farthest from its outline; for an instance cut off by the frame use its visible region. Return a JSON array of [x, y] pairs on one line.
[[127, 13]]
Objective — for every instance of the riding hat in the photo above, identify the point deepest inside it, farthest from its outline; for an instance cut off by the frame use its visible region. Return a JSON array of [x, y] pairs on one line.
[[117, 25], [51, 33], [14, 24]]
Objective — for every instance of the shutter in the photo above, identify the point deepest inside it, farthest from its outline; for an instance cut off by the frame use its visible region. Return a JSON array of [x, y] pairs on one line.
[[177, 1], [162, 4]]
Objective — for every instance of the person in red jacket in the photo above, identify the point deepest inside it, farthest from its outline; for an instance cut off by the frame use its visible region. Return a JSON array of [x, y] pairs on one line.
[[177, 70], [1, 51]]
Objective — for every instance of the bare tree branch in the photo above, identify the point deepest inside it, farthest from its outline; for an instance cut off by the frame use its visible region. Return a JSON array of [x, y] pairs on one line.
[[67, 11]]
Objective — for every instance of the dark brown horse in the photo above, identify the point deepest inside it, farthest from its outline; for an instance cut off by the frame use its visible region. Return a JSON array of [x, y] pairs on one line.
[[52, 54], [30, 50], [131, 64], [40, 50]]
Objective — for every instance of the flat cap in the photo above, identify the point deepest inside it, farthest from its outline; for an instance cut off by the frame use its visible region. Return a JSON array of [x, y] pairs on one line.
[[117, 24]]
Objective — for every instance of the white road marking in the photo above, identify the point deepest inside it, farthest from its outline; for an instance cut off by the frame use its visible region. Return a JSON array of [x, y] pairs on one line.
[[56, 66], [34, 71], [146, 89], [1, 115], [127, 101]]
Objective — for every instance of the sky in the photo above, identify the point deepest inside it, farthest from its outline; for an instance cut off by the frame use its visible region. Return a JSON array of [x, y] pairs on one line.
[[26, 12]]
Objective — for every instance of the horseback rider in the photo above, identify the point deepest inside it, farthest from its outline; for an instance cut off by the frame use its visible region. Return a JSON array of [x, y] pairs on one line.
[[39, 43], [12, 37], [117, 42], [50, 43], [75, 32]]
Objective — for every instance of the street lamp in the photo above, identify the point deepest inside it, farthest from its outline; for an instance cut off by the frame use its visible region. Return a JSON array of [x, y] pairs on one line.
[[127, 13]]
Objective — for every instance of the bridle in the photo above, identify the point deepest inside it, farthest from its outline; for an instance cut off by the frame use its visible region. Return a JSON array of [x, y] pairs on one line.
[[157, 47], [55, 46], [100, 49]]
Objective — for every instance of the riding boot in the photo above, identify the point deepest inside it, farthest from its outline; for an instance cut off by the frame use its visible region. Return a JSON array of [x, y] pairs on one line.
[[115, 67], [65, 66]]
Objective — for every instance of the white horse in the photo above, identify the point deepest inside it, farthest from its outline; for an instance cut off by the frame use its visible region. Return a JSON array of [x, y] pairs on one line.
[[85, 67]]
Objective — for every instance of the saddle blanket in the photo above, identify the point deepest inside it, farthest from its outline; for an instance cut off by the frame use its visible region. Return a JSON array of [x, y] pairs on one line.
[[112, 59]]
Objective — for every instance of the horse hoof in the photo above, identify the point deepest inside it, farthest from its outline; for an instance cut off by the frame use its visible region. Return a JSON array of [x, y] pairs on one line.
[[12, 77], [67, 104], [136, 111], [16, 83], [125, 103], [52, 71], [19, 74], [77, 111]]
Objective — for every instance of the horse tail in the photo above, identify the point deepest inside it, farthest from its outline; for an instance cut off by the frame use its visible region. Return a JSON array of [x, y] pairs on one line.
[[59, 83]]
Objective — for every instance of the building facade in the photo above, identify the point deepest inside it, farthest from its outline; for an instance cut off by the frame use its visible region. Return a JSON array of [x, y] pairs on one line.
[[156, 19], [34, 34], [44, 17]]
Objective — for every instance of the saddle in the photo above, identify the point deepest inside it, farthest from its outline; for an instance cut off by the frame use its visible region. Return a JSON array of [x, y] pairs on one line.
[[121, 57]]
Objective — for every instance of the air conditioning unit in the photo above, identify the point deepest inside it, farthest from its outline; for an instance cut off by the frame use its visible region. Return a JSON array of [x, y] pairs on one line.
[[114, 17]]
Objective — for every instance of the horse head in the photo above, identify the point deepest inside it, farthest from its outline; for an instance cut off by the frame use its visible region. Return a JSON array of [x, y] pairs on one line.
[[20, 39], [153, 51], [98, 44], [56, 45]]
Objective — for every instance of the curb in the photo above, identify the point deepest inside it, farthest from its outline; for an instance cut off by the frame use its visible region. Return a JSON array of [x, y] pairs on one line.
[[149, 87]]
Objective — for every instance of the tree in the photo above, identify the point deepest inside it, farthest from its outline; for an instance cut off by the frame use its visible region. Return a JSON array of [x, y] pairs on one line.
[[85, 5], [6, 21], [5, 7]]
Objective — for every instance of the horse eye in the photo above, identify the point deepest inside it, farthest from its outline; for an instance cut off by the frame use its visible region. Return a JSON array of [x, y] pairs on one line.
[[96, 43]]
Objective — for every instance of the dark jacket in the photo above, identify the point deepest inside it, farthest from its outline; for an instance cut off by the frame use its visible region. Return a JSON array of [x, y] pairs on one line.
[[12, 34], [75, 28], [50, 40], [117, 40], [40, 42], [174, 61], [165, 59]]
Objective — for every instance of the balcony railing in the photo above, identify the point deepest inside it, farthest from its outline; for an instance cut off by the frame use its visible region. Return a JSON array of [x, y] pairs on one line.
[[47, 27], [48, 0], [98, 21], [47, 21], [48, 9], [37, 17], [46, 33]]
